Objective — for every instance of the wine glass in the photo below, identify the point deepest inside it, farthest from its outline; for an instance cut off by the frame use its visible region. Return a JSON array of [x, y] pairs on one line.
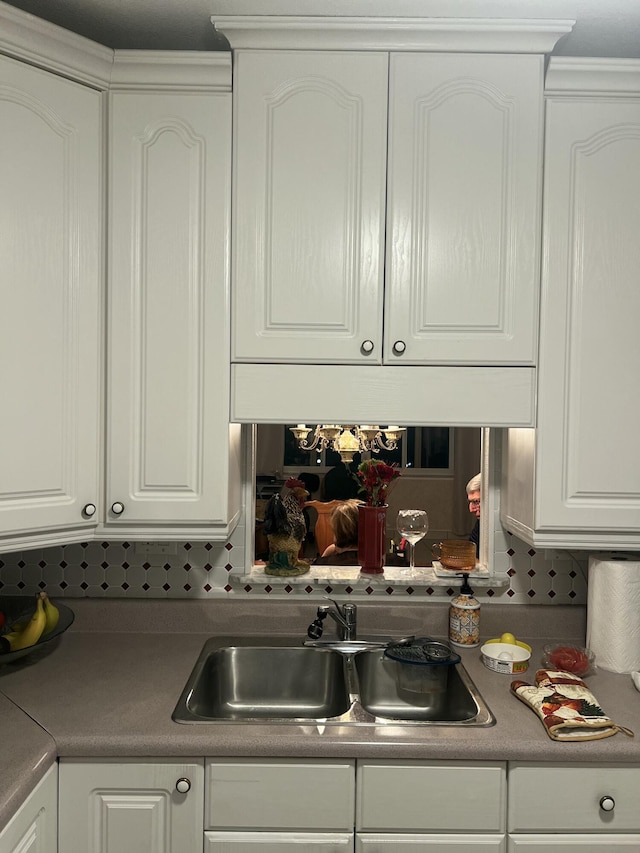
[[412, 525]]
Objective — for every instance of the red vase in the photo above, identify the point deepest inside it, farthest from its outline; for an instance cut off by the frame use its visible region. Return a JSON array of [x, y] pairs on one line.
[[372, 525]]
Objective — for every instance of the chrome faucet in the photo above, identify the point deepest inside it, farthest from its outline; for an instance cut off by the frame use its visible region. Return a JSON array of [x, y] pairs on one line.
[[344, 615]]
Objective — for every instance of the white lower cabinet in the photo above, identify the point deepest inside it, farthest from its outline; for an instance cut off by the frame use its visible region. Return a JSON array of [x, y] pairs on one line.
[[279, 805], [413, 806], [584, 807], [34, 827], [275, 842], [418, 843], [329, 806], [580, 843], [121, 806]]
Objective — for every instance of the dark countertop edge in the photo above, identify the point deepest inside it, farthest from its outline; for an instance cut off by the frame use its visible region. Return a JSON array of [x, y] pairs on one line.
[[27, 754]]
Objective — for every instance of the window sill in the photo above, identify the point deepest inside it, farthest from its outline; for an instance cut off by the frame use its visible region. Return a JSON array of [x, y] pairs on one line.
[[422, 576]]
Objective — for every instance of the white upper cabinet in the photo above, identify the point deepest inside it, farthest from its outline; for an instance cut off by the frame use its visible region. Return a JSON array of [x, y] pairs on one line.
[[151, 452], [463, 215], [50, 340], [457, 193], [172, 461], [308, 230], [575, 479]]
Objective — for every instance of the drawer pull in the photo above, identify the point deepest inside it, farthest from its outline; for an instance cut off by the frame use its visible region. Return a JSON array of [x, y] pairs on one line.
[[183, 785], [607, 804]]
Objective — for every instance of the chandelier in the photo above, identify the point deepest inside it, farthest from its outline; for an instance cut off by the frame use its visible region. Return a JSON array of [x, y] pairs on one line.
[[347, 439]]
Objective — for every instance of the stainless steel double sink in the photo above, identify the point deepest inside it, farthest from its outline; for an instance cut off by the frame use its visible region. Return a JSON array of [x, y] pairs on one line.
[[283, 682]]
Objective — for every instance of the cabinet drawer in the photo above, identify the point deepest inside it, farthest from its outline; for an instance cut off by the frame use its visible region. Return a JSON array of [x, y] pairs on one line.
[[391, 843], [573, 843], [438, 797], [275, 842], [307, 795], [547, 797]]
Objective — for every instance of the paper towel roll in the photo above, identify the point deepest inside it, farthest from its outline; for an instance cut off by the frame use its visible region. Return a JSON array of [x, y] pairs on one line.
[[613, 613]]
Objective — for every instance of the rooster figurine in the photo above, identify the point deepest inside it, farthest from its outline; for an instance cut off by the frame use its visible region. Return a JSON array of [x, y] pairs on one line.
[[285, 528]]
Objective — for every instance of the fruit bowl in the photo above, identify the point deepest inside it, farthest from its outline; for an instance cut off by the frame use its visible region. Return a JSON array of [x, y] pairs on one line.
[[19, 607]]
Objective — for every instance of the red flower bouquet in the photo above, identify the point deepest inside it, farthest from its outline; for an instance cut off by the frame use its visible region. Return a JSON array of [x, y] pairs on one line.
[[375, 478]]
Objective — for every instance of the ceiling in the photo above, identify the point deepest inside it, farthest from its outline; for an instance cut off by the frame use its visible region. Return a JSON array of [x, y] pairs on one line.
[[608, 28]]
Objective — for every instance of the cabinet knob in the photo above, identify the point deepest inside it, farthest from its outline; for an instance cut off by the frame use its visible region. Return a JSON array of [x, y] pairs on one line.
[[183, 785], [607, 804], [117, 508], [367, 346], [88, 510], [399, 347]]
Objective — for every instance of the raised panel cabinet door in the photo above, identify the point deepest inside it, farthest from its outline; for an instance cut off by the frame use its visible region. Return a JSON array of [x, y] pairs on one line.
[[168, 436], [309, 194], [464, 196], [130, 807], [34, 828], [587, 460], [50, 338]]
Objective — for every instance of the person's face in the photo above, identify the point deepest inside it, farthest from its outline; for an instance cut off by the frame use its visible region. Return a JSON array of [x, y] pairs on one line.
[[474, 503]]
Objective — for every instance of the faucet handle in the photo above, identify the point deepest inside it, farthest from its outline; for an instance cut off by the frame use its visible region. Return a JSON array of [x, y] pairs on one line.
[[343, 609]]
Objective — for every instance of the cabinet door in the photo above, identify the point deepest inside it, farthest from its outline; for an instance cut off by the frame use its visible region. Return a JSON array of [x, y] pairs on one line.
[[587, 463], [465, 174], [556, 843], [275, 842], [169, 441], [130, 807], [454, 843], [34, 828], [427, 793], [277, 795], [50, 226], [534, 803], [308, 229]]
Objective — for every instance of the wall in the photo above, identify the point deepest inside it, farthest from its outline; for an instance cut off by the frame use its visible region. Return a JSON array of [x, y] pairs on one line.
[[210, 570], [214, 569]]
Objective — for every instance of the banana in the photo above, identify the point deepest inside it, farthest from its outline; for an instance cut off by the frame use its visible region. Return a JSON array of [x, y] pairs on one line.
[[51, 612], [31, 633], [6, 640]]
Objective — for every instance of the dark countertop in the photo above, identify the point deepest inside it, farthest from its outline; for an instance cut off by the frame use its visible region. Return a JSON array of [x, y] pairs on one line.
[[107, 688], [26, 754]]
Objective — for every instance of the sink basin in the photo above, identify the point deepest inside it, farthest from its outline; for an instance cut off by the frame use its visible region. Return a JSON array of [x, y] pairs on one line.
[[265, 682], [269, 683], [379, 694]]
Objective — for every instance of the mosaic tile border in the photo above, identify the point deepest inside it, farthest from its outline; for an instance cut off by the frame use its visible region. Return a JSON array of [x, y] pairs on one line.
[[211, 569]]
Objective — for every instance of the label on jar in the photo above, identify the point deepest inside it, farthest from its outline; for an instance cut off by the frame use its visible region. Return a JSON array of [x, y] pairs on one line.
[[464, 624]]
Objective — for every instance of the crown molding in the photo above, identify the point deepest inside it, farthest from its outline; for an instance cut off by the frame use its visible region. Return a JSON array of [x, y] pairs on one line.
[[171, 71], [32, 40], [567, 76], [477, 35]]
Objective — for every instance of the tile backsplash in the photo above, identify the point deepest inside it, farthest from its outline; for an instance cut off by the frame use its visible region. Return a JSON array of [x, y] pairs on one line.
[[214, 569]]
